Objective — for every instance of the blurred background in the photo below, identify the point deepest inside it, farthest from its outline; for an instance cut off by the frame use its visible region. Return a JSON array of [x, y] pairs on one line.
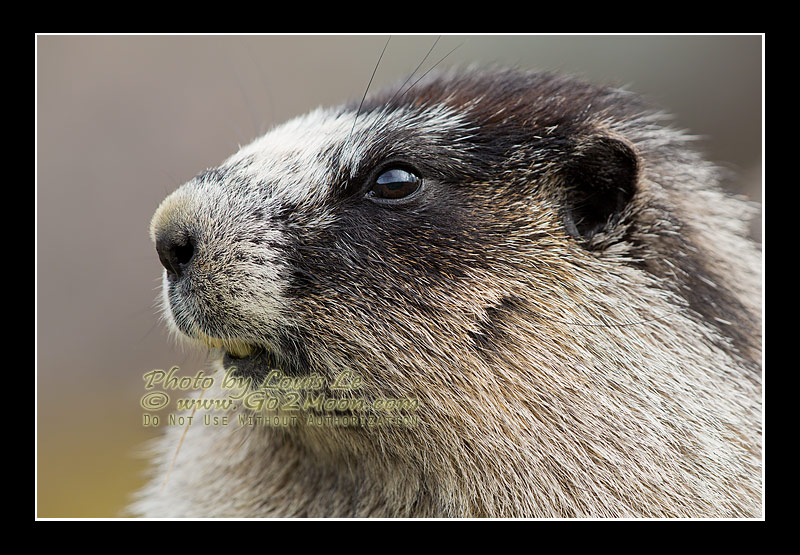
[[124, 120]]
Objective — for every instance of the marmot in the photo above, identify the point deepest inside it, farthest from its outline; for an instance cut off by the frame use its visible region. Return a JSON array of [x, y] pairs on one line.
[[543, 266]]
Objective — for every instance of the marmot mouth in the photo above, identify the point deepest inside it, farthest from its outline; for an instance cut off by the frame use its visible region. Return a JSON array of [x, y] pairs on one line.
[[255, 361], [249, 360]]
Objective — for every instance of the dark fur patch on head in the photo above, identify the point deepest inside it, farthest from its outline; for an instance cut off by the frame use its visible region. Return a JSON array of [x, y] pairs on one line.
[[520, 130]]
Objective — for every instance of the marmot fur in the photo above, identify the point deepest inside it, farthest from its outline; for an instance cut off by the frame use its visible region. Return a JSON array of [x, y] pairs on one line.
[[550, 272]]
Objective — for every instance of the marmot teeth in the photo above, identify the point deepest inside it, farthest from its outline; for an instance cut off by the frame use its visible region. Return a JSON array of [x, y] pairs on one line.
[[239, 350], [235, 347]]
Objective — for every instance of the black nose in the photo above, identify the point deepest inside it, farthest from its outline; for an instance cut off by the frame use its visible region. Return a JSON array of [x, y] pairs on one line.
[[175, 253]]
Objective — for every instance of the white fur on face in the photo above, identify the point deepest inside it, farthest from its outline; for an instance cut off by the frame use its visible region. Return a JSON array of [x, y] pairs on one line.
[[296, 166], [295, 161]]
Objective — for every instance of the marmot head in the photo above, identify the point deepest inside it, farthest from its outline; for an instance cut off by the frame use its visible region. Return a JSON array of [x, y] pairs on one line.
[[533, 258], [396, 236], [391, 230]]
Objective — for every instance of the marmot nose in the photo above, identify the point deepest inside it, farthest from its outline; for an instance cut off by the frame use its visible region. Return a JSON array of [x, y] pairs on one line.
[[175, 253]]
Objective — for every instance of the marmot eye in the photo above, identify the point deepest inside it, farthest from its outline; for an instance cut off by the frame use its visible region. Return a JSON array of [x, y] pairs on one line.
[[394, 184]]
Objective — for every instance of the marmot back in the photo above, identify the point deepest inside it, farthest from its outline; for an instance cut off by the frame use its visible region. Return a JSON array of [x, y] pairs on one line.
[[546, 278]]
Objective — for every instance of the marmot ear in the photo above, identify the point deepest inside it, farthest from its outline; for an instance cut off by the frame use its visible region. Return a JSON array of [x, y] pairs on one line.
[[599, 180]]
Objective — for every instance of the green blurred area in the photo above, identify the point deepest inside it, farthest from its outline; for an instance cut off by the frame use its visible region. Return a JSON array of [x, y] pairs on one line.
[[88, 463]]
